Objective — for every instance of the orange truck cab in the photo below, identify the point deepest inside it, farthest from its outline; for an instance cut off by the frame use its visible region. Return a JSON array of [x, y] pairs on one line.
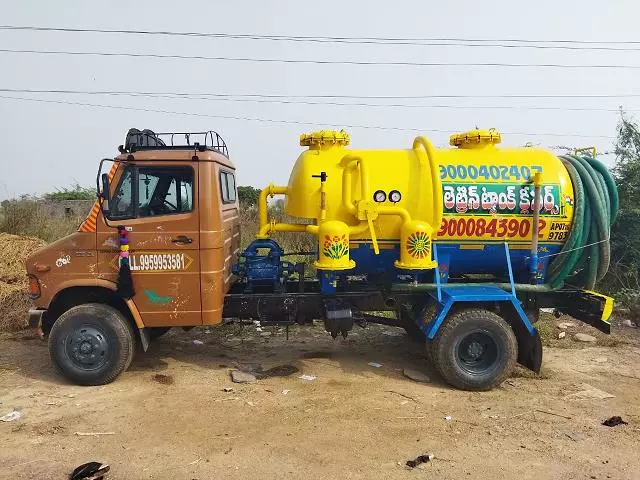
[[179, 206]]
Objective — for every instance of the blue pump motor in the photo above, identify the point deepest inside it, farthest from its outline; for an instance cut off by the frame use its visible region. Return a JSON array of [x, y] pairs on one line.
[[263, 269]]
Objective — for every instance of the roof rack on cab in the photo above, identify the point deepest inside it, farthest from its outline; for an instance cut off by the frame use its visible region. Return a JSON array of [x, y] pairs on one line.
[[137, 140]]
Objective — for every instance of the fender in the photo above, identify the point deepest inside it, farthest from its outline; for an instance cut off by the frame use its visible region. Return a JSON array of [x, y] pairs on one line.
[[100, 283]]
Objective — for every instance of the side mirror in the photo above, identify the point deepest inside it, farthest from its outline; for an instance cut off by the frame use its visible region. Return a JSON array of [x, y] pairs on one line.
[[105, 194]]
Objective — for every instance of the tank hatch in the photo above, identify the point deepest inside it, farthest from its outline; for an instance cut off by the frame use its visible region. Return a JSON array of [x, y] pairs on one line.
[[325, 138], [475, 138]]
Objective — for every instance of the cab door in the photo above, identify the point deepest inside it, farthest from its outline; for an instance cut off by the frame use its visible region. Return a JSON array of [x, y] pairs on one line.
[[157, 204]]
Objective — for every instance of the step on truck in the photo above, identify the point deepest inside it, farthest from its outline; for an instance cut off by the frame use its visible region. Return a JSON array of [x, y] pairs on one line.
[[460, 246]]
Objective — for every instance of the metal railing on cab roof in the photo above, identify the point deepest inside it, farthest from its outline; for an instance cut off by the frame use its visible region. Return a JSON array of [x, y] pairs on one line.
[[137, 140]]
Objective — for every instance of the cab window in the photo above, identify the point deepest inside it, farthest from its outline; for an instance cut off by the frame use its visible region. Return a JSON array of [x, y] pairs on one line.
[[156, 191], [227, 186], [122, 198]]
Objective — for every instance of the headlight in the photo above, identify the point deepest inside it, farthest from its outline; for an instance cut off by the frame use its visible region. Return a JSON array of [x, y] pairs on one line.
[[33, 287]]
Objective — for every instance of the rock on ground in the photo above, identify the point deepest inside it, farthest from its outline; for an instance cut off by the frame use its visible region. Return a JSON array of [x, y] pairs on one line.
[[565, 325], [238, 376], [416, 375], [583, 337]]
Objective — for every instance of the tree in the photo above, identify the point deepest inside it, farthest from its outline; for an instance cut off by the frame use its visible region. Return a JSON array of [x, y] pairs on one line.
[[625, 234], [248, 196], [75, 193]]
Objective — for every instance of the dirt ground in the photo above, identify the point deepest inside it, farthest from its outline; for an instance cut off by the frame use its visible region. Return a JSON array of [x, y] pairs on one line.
[[353, 421]]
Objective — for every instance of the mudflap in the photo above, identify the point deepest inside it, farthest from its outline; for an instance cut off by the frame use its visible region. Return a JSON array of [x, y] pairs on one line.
[[529, 348], [529, 342]]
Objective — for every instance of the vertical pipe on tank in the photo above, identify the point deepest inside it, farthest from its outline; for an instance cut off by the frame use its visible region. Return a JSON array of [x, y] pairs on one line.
[[436, 184], [533, 265]]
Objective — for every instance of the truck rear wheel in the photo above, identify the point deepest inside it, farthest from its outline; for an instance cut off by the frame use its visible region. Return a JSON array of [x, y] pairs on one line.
[[91, 344], [474, 349]]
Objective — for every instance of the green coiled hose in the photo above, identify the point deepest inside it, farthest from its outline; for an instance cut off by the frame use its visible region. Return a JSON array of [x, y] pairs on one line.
[[584, 258]]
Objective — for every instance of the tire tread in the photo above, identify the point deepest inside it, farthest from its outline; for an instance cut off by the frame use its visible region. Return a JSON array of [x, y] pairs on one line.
[[444, 340]]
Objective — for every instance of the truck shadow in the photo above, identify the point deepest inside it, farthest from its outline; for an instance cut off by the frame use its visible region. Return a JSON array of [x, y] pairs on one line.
[[375, 350]]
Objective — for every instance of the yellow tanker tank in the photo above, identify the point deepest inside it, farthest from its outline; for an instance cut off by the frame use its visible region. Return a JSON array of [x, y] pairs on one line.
[[387, 207]]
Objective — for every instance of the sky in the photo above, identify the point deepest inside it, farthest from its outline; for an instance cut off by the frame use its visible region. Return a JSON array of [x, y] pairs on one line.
[[48, 146]]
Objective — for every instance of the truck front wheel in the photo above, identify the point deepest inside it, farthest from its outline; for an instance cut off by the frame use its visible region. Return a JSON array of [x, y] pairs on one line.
[[91, 344], [474, 349]]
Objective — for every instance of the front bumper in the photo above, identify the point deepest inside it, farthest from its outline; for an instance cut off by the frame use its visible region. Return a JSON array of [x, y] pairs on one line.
[[35, 317]]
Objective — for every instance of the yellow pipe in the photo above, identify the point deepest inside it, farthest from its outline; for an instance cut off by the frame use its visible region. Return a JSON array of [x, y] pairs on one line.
[[323, 203], [359, 228], [270, 228], [347, 201], [269, 191], [399, 211], [436, 184]]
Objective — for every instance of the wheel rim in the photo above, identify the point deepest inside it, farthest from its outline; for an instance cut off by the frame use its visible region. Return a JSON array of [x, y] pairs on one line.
[[477, 352], [87, 347]]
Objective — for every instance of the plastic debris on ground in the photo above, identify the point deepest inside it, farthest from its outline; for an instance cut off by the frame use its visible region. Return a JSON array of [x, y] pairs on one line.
[[589, 391], [89, 471], [394, 333], [308, 378], [198, 342], [448, 418], [420, 459], [227, 389], [374, 364], [614, 421], [562, 334], [11, 416], [285, 391]]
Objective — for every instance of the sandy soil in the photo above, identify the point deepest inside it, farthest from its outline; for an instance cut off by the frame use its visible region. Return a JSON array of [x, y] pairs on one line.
[[354, 421]]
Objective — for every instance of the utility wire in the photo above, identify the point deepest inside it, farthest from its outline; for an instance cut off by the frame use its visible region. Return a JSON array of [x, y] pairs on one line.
[[320, 62], [292, 122], [359, 97], [172, 96], [432, 41]]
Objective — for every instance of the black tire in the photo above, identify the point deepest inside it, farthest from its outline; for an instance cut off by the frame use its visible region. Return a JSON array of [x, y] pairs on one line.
[[157, 332], [428, 348], [474, 349], [91, 344]]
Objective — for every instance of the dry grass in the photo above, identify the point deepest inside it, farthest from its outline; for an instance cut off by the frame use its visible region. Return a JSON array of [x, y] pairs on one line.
[[14, 301], [26, 217]]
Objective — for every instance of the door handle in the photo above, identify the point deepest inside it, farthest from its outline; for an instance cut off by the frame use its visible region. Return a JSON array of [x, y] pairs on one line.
[[182, 239]]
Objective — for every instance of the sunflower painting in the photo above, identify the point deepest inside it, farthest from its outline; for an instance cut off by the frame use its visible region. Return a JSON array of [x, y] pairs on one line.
[[418, 245], [335, 247]]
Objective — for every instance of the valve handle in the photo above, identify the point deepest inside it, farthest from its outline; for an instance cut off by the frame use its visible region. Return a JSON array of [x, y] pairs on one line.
[[323, 176]]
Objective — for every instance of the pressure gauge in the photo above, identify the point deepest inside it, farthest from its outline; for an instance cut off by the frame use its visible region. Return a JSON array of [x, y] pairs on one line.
[[379, 196], [394, 196]]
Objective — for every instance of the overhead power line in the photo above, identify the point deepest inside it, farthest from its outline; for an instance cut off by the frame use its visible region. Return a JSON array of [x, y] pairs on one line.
[[319, 62], [566, 44], [173, 96], [359, 97], [280, 121]]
